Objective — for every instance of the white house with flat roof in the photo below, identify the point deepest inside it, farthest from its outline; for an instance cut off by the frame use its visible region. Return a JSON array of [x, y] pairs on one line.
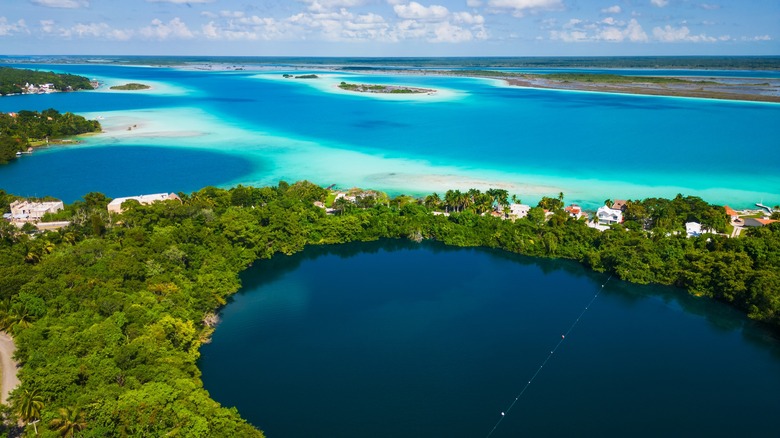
[[115, 206], [27, 211]]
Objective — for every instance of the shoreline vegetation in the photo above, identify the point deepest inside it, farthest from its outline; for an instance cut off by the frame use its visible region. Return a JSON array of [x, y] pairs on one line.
[[132, 86], [25, 81], [21, 132], [384, 89], [108, 313]]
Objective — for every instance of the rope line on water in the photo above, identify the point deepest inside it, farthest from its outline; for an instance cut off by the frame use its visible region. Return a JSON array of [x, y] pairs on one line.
[[546, 359]]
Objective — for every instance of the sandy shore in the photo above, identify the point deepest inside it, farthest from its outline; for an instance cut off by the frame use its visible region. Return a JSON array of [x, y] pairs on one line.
[[9, 378]]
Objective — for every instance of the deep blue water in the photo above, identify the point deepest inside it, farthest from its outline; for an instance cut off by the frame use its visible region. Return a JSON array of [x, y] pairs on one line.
[[120, 171], [390, 339]]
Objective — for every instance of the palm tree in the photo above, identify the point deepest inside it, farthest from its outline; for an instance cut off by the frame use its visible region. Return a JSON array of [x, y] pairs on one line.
[[29, 407], [69, 421]]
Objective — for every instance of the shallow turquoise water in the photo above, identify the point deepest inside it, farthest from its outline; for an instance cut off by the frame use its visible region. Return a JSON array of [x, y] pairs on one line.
[[591, 146], [390, 339]]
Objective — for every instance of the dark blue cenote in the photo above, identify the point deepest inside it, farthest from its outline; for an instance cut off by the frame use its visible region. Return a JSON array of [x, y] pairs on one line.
[[393, 338]]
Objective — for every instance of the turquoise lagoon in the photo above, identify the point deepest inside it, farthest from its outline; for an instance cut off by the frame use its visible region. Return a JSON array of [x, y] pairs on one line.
[[472, 133], [393, 338]]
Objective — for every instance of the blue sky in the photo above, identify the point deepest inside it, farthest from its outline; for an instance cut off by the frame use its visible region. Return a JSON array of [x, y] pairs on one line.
[[390, 27]]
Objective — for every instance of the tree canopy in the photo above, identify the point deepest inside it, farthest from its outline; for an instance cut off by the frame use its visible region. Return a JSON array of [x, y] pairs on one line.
[[109, 313]]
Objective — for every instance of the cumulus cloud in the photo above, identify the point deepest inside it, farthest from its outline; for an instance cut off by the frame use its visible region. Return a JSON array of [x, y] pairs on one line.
[[7, 28], [611, 10], [328, 5], [609, 30], [659, 3], [519, 8], [416, 11], [175, 28], [669, 34], [473, 3], [66, 4]]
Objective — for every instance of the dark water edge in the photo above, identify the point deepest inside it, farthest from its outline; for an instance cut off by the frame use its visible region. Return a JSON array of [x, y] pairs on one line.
[[70, 173], [392, 337]]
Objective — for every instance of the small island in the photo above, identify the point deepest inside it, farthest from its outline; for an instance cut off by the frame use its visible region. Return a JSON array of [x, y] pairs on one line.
[[131, 87], [309, 76], [384, 89]]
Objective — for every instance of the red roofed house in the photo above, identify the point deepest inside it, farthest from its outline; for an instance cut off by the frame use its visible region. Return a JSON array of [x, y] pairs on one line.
[[575, 211], [754, 222], [731, 212]]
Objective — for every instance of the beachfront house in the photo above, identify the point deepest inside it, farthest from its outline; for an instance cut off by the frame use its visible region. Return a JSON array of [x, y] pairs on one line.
[[115, 206], [731, 213], [26, 211], [756, 222], [576, 211], [609, 216], [517, 211]]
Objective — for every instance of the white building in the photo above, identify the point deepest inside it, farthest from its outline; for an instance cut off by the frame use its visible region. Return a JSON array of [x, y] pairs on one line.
[[517, 211], [26, 211], [693, 229], [115, 206], [609, 216]]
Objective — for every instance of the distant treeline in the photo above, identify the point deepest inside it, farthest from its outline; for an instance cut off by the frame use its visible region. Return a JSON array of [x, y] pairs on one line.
[[368, 63], [12, 80], [19, 130], [109, 313]]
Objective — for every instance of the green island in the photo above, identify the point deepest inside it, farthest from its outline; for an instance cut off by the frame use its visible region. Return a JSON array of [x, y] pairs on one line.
[[384, 89], [109, 312], [309, 76], [24, 81], [19, 132], [131, 87]]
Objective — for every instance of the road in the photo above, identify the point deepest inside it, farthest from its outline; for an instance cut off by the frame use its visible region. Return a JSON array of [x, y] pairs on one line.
[[9, 380]]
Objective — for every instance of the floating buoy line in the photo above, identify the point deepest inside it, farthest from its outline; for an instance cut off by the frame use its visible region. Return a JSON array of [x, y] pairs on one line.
[[546, 359]]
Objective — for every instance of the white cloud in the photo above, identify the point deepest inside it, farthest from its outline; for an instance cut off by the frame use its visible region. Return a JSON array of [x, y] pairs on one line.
[[175, 28], [47, 26], [609, 30], [7, 28], [66, 4], [659, 3], [327, 5], [449, 33], [231, 14], [757, 38], [473, 3], [98, 30], [518, 8], [612, 10], [669, 34], [416, 11], [634, 32], [709, 6]]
